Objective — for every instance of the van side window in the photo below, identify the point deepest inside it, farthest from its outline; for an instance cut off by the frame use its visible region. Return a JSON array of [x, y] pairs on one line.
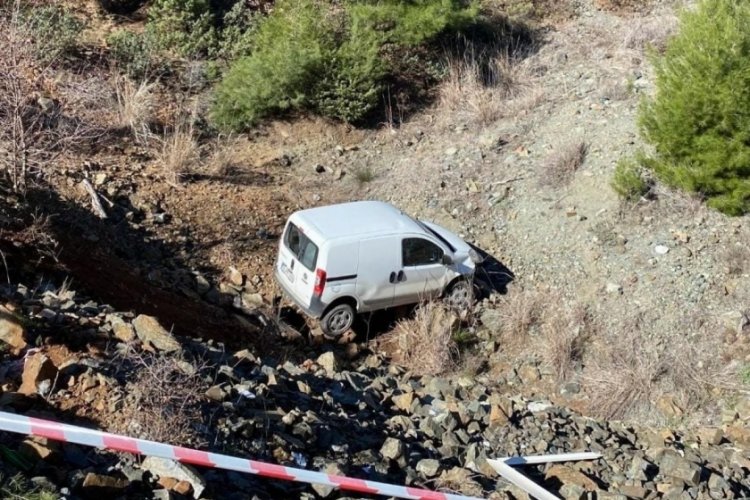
[[300, 245], [420, 252]]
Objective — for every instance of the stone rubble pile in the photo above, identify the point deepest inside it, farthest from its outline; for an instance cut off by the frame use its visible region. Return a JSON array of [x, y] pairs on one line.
[[339, 411]]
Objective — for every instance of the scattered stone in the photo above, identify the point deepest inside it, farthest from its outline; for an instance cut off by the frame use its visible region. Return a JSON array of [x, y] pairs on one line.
[[95, 485], [328, 361], [12, 331], [37, 370], [614, 288], [661, 249], [569, 476], [392, 448], [150, 331], [162, 467], [124, 332], [668, 406], [428, 467], [236, 277], [404, 401], [529, 374], [675, 466]]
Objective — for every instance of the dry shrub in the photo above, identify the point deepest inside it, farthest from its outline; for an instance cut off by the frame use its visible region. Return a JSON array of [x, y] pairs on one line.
[[651, 31], [179, 153], [564, 334], [424, 344], [627, 370], [520, 315], [563, 163], [625, 5], [223, 160], [164, 399], [135, 106], [482, 91], [736, 256]]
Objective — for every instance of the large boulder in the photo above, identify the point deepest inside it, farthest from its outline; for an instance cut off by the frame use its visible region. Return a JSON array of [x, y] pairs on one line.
[[39, 373], [150, 331], [12, 331]]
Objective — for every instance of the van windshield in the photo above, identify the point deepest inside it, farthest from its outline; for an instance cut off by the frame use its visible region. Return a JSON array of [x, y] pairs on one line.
[[301, 246]]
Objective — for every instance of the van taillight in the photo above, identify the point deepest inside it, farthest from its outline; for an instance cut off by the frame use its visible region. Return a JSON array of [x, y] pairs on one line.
[[320, 282]]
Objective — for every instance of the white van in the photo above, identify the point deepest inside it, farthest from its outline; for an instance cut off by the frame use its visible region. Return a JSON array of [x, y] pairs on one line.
[[340, 260]]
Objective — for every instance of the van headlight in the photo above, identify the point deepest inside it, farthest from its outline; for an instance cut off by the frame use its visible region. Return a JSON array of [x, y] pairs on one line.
[[475, 257]]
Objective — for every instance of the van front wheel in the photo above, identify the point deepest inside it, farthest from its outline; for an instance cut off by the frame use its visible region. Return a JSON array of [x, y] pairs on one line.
[[337, 320], [460, 296]]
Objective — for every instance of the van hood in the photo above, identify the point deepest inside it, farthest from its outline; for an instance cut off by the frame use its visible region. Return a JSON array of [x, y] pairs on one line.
[[464, 253]]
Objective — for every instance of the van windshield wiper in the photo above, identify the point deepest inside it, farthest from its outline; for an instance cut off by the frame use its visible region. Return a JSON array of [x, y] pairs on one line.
[[437, 235]]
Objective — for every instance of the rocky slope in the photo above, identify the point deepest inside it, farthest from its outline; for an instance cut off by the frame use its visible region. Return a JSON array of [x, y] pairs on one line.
[[346, 411]]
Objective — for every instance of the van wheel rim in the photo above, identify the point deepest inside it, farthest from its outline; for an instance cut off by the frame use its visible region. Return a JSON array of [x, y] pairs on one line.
[[459, 297], [340, 322]]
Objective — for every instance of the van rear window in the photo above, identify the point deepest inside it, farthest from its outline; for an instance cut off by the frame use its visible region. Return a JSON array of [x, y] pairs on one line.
[[301, 246]]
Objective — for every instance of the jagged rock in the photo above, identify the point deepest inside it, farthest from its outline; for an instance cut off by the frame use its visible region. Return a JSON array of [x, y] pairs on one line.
[[329, 363], [428, 467], [95, 485], [528, 374], [149, 330], [673, 465], [668, 406], [124, 332], [12, 331], [37, 448], [39, 373], [236, 277], [739, 435], [404, 401], [710, 435], [569, 476], [216, 393], [325, 491], [162, 467], [392, 448]]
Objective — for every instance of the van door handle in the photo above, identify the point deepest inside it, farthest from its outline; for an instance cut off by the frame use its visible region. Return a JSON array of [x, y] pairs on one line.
[[401, 276], [392, 277]]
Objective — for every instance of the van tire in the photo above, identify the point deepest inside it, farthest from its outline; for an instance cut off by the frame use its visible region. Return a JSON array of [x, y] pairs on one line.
[[460, 296], [337, 320]]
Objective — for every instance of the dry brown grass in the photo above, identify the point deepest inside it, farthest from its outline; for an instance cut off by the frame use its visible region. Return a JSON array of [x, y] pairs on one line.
[[650, 31], [566, 329], [424, 344], [520, 314], [736, 256], [562, 164], [178, 153], [628, 370], [483, 92], [135, 106]]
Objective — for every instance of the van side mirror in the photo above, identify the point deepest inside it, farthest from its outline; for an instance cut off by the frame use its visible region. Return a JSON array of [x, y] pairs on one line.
[[447, 259]]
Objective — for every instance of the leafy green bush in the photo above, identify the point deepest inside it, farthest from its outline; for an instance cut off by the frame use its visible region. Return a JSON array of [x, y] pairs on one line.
[[135, 53], [291, 48], [628, 180], [699, 120], [54, 30], [185, 26], [237, 30], [308, 55]]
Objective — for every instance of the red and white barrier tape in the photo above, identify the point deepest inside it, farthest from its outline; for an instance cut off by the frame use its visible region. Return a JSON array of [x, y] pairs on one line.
[[10, 422]]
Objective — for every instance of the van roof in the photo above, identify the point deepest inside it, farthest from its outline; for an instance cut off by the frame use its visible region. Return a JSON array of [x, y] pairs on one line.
[[356, 218]]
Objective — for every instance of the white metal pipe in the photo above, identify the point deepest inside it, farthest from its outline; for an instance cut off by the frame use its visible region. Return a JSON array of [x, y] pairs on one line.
[[521, 481], [543, 459]]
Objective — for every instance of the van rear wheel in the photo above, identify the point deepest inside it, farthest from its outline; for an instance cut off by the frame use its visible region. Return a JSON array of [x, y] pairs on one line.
[[337, 320]]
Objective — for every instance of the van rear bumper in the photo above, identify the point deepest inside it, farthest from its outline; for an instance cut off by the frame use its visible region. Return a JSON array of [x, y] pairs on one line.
[[315, 309]]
